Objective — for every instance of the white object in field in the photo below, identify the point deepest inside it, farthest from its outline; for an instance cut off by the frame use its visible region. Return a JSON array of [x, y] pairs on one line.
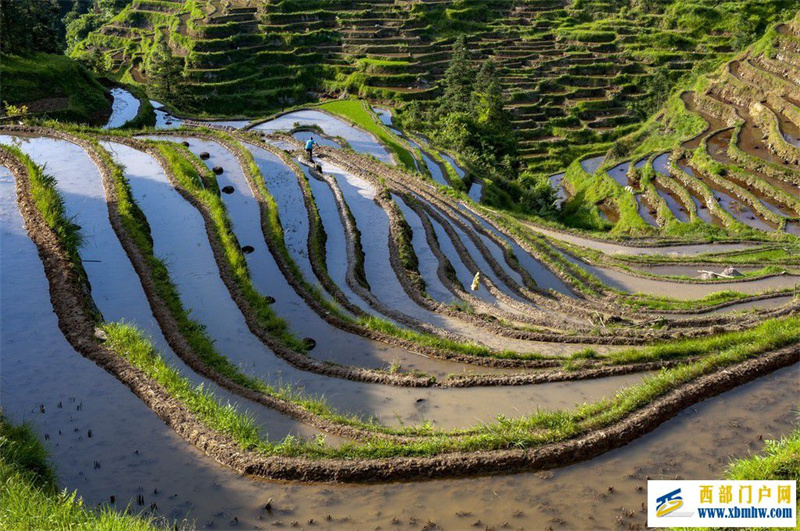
[[476, 282]]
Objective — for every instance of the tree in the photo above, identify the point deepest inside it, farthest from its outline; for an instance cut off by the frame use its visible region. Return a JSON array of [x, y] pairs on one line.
[[488, 101], [30, 26], [458, 79], [163, 69], [538, 196]]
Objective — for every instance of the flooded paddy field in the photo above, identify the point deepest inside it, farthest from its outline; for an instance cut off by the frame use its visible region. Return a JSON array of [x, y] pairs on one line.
[[494, 295], [445, 327]]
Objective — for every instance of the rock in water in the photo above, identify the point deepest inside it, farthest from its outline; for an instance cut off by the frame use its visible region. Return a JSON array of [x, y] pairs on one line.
[[731, 272]]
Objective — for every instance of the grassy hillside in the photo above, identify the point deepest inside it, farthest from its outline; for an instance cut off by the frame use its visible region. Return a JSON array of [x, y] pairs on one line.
[[55, 85], [578, 74], [718, 159]]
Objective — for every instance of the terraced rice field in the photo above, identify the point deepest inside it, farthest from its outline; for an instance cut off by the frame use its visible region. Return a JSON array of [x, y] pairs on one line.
[[574, 72], [328, 312], [203, 324]]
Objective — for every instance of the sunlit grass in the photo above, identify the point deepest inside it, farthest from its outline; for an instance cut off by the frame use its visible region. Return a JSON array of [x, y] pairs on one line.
[[354, 111]]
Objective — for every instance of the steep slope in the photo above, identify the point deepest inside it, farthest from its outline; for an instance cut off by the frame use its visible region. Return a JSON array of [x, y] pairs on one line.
[[580, 72], [723, 158], [55, 85]]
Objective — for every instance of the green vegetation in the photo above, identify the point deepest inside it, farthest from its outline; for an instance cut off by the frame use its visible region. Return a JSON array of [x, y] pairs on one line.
[[528, 431], [51, 205], [187, 177], [356, 112], [470, 119], [30, 498], [53, 85], [563, 106], [30, 26], [780, 460]]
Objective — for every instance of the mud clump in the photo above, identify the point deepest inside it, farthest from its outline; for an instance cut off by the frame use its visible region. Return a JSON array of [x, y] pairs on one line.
[[217, 170], [227, 189], [247, 249], [205, 155], [309, 343], [185, 143]]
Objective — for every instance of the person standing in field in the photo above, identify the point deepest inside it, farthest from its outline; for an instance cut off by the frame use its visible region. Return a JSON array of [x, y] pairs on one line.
[[310, 148]]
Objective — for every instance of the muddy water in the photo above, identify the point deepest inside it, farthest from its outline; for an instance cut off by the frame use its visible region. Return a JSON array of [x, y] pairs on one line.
[[476, 192], [373, 223], [163, 206], [543, 277], [336, 242], [494, 249], [700, 206], [101, 438], [124, 108], [619, 248], [374, 226], [697, 444], [282, 183], [590, 165], [739, 210], [165, 120], [675, 205], [179, 238], [428, 263], [115, 285], [304, 136], [332, 343], [480, 261], [742, 212], [644, 211], [775, 208], [620, 173], [242, 207], [451, 161], [360, 141], [717, 148], [679, 290], [463, 273]]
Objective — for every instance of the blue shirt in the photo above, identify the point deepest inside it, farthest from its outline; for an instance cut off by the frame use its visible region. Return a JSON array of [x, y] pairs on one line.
[[310, 144]]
